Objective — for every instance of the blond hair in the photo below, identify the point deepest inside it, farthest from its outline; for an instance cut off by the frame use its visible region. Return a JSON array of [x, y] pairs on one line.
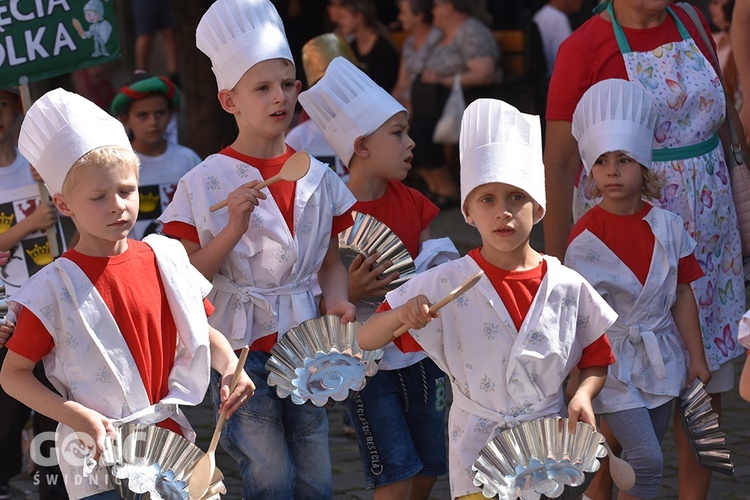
[[104, 157]]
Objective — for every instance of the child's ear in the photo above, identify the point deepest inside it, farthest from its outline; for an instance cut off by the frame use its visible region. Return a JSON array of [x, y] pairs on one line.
[[360, 147], [538, 212], [227, 101], [62, 205], [469, 218], [298, 84]]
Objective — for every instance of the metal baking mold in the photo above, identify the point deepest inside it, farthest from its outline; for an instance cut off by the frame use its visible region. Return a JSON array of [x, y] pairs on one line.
[[146, 462], [3, 304], [540, 457], [368, 235], [319, 362], [704, 434]]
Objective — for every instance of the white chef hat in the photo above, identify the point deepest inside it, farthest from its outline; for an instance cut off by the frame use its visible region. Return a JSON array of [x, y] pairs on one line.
[[346, 104], [238, 34], [61, 127], [498, 143], [615, 115]]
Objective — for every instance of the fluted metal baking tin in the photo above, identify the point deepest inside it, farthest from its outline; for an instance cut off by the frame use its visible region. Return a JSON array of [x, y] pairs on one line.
[[150, 462], [539, 458], [368, 235], [3, 304], [319, 362], [704, 434]]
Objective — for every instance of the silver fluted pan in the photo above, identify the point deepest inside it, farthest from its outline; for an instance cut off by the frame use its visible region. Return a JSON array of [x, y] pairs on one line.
[[704, 434], [3, 304], [319, 362], [538, 458], [368, 235], [153, 463]]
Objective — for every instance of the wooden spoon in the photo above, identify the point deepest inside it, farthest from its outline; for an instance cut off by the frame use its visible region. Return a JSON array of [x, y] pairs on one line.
[[203, 472], [622, 472], [295, 168], [455, 293]]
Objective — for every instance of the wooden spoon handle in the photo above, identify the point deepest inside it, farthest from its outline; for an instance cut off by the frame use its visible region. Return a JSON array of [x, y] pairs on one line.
[[232, 387], [259, 186], [455, 293]]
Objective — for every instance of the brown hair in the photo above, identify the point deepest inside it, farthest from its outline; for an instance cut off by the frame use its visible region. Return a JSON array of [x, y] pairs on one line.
[[467, 7], [369, 12], [423, 7]]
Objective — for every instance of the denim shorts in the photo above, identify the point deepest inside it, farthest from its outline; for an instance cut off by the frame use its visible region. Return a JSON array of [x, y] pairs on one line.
[[281, 447], [399, 420]]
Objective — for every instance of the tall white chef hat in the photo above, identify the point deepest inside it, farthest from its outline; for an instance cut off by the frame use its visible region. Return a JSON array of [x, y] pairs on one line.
[[615, 115], [346, 104], [61, 127], [498, 143], [238, 34]]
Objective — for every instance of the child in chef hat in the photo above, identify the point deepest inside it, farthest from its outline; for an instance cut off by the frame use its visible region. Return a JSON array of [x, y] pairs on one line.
[[649, 252], [506, 351], [261, 251], [399, 416], [120, 324], [317, 54]]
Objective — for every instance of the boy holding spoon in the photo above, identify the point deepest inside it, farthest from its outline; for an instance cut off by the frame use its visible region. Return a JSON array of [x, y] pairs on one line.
[[398, 417], [508, 343], [261, 251]]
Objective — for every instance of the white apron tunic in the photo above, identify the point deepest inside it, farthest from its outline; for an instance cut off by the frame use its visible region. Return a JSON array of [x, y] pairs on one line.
[[264, 286], [689, 159], [500, 376], [651, 364], [92, 364], [432, 253]]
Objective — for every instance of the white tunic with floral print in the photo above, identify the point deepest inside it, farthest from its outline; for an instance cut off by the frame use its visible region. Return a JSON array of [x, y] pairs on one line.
[[264, 286], [651, 365], [92, 364], [500, 376]]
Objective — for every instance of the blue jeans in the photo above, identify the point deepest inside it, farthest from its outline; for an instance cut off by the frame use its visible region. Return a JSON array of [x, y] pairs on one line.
[[399, 422], [281, 447]]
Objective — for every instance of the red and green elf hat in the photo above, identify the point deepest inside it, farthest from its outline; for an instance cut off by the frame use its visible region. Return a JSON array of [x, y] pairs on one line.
[[144, 88]]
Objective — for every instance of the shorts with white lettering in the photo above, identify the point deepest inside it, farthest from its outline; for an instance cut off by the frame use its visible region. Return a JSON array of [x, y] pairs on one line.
[[399, 422]]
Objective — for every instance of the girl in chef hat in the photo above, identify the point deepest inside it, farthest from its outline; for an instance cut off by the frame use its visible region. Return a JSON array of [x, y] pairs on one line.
[[640, 259]]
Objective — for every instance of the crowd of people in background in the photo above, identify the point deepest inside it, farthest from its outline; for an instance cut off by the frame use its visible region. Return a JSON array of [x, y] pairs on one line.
[[403, 59]]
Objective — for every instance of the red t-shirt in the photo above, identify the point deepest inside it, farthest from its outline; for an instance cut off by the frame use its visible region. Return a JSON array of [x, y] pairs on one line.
[[282, 192], [590, 54], [406, 211], [141, 312], [631, 239], [517, 290]]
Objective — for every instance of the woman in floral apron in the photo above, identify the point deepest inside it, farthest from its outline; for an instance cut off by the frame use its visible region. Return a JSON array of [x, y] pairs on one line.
[[658, 47]]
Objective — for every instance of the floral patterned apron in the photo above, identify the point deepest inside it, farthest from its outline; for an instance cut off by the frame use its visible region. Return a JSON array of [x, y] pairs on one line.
[[689, 159]]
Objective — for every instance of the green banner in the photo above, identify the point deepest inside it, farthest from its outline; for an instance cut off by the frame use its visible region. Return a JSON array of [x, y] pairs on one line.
[[40, 39]]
